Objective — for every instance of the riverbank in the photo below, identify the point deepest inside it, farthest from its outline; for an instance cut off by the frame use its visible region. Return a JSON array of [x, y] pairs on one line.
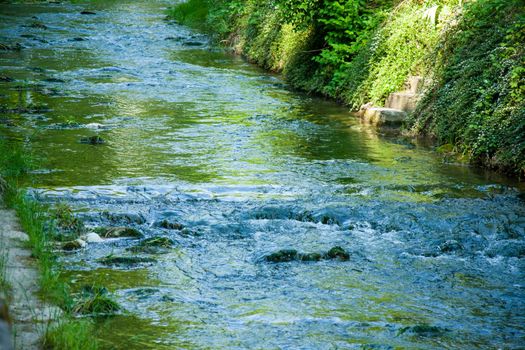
[[469, 53], [29, 316], [38, 302], [255, 216]]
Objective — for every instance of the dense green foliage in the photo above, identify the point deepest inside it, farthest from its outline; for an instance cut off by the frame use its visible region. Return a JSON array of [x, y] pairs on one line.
[[356, 51], [477, 101]]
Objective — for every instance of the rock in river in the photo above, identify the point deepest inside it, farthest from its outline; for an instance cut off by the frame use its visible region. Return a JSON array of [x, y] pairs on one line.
[[284, 255], [337, 253], [153, 245], [125, 260], [170, 225], [74, 245], [120, 232]]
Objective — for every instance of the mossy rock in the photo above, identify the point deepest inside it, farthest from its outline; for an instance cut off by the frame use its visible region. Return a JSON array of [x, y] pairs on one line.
[[74, 245], [120, 232], [284, 255], [170, 225], [126, 218], [337, 253], [157, 242], [423, 330], [125, 260], [153, 245], [310, 257]]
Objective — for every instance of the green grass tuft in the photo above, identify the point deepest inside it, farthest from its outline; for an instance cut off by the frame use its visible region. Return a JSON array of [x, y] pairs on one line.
[[70, 334]]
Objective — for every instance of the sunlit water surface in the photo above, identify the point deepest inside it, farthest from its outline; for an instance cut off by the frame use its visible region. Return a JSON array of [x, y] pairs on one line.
[[200, 137]]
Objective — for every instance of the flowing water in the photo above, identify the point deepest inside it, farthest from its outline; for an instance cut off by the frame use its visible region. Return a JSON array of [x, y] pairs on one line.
[[199, 137]]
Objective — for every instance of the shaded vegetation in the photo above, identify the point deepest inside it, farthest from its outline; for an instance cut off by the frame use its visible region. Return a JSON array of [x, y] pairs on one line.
[[470, 53]]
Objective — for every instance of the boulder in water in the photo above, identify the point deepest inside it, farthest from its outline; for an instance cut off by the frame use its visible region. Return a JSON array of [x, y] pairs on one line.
[[284, 255], [153, 245], [423, 330], [337, 253], [126, 218], [170, 225], [310, 257], [74, 245], [121, 232], [125, 260]]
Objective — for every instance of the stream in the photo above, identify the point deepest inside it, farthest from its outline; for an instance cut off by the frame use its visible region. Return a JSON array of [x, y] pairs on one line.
[[244, 167]]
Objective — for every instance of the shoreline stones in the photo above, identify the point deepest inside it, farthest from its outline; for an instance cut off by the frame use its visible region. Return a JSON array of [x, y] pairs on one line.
[[288, 255]]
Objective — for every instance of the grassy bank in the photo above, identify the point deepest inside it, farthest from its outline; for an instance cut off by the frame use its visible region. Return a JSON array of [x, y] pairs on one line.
[[471, 54], [68, 332]]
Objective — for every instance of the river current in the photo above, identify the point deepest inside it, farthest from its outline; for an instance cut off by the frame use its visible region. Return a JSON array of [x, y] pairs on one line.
[[246, 167]]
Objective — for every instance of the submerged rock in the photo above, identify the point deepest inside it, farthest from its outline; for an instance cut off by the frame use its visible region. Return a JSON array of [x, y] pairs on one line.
[[37, 25], [128, 218], [193, 43], [170, 225], [92, 140], [125, 260], [423, 330], [74, 245], [287, 255], [153, 245], [7, 47], [120, 232], [54, 80], [157, 242], [337, 253], [450, 246], [6, 79], [284, 255]]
